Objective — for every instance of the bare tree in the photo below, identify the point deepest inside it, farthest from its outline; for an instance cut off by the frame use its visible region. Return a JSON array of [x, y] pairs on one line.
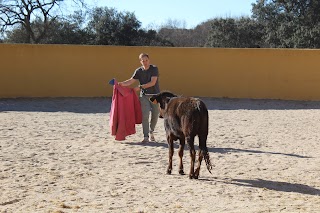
[[23, 13], [174, 24]]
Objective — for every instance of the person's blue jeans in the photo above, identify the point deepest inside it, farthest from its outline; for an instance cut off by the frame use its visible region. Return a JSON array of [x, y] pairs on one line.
[[146, 107]]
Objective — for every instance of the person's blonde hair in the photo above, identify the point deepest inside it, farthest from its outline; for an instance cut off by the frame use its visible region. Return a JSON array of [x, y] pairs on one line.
[[143, 55]]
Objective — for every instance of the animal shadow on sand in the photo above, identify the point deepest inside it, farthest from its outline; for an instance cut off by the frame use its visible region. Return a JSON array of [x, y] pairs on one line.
[[228, 150], [213, 150], [277, 186], [258, 183]]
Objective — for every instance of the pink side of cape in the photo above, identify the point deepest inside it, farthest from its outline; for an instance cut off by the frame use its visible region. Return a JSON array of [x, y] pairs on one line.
[[125, 112]]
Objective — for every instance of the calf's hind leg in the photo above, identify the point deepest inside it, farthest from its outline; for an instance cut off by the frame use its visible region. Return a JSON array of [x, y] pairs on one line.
[[197, 172], [171, 150], [190, 141], [181, 148]]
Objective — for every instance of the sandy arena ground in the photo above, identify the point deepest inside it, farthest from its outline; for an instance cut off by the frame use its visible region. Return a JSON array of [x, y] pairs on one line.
[[57, 155]]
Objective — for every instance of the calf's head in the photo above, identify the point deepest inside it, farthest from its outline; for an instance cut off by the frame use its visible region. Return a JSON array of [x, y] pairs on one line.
[[162, 99]]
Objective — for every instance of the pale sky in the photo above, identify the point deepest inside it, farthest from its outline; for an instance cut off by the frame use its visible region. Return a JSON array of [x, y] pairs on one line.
[[190, 12]]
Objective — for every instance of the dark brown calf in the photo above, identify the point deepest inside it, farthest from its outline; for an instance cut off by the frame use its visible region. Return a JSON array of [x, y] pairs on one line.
[[184, 118]]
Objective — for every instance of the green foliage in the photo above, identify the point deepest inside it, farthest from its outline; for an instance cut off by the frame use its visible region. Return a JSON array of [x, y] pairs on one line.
[[110, 27], [103, 27], [273, 24], [289, 24], [113, 28], [60, 32], [235, 33]]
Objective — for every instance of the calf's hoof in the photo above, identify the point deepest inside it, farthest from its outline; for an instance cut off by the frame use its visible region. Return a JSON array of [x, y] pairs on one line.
[[181, 172], [193, 176], [168, 171]]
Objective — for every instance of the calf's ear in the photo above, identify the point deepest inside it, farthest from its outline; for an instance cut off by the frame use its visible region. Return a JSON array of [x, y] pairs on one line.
[[168, 99]]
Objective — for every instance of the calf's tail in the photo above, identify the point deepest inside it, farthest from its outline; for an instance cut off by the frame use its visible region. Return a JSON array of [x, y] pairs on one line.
[[207, 159]]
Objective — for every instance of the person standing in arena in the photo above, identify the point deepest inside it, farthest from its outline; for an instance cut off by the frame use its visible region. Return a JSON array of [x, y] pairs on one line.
[[148, 77]]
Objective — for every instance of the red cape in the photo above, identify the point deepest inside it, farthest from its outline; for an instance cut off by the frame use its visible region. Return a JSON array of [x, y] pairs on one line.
[[125, 112]]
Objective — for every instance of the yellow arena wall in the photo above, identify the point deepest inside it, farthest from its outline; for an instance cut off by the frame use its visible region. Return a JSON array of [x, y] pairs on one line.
[[84, 71]]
